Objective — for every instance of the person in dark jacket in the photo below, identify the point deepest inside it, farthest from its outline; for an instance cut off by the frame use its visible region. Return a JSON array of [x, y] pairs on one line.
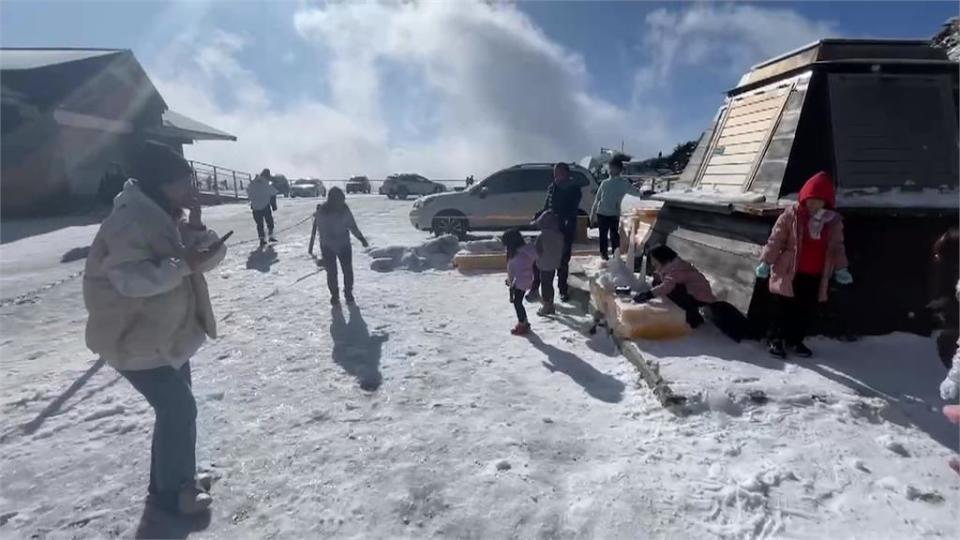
[[563, 198]]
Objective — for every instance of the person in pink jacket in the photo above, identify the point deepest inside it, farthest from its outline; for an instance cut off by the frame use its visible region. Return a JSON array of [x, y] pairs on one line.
[[678, 280], [521, 258], [805, 250]]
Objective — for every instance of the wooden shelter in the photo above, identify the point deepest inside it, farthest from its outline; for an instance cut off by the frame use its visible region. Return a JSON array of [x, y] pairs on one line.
[[881, 116]]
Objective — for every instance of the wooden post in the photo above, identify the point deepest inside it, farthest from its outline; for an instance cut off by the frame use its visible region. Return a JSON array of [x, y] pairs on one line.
[[313, 232], [236, 192]]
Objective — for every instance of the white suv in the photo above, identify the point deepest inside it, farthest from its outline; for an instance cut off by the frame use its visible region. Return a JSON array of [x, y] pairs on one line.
[[505, 199]]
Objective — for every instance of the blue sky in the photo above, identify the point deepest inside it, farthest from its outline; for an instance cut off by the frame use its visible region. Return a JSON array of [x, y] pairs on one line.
[[448, 89]]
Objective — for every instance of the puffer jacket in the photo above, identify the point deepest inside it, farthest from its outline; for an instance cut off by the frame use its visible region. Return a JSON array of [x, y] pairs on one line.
[[783, 247], [610, 197], [680, 272], [564, 201], [335, 226], [520, 267], [260, 192], [147, 308], [549, 244]]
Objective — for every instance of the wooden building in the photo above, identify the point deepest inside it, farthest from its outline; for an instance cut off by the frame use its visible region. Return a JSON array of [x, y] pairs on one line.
[[69, 116], [881, 116]]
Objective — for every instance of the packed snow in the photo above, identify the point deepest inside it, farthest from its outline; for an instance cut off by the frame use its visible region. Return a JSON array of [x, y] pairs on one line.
[[416, 414]]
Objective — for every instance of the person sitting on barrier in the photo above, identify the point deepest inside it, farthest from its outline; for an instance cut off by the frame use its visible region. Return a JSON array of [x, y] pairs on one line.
[[689, 289], [805, 250], [521, 259]]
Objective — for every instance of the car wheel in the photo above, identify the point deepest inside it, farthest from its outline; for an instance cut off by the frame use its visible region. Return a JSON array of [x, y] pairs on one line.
[[450, 223], [402, 193]]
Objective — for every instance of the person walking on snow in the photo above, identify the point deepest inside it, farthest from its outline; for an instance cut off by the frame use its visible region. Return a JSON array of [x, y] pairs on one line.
[[549, 247], [263, 201], [563, 198], [521, 259], [606, 206], [335, 223], [805, 250], [149, 312]]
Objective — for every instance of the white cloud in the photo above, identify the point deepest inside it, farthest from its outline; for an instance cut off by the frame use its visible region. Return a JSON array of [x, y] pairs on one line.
[[723, 37], [491, 88], [449, 89]]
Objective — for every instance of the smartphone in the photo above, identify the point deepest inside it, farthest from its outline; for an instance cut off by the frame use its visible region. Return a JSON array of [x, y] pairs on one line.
[[223, 239]]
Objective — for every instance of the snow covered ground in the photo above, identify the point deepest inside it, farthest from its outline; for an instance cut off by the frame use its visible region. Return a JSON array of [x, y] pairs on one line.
[[418, 415]]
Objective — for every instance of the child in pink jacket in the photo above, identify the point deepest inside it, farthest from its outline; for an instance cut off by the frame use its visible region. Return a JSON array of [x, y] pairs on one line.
[[521, 258], [805, 250]]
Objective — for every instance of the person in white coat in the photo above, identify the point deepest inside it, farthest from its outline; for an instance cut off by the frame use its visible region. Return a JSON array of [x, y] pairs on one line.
[[149, 312], [263, 201]]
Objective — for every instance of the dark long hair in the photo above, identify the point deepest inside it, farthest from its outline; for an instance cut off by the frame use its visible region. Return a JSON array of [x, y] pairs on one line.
[[156, 166], [513, 241], [336, 201]]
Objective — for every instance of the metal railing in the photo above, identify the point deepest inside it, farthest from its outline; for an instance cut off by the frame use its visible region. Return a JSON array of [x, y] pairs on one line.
[[220, 181]]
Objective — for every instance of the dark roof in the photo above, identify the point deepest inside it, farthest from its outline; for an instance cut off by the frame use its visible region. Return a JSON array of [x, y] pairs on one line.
[[18, 59], [179, 126]]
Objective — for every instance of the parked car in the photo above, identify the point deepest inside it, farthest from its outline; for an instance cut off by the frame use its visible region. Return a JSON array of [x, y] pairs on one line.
[[401, 186], [505, 199], [281, 184], [358, 184], [308, 188]]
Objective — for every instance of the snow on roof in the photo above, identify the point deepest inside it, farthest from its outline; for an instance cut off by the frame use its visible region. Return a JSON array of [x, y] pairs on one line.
[[20, 59], [702, 196], [897, 198]]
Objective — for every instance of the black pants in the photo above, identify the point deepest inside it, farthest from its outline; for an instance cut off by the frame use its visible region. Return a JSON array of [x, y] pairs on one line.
[[329, 257], [546, 285], [261, 216], [563, 273], [609, 227], [516, 298], [688, 303], [173, 453], [790, 318]]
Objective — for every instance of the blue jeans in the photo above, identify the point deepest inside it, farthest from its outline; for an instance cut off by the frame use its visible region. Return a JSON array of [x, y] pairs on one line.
[[173, 454]]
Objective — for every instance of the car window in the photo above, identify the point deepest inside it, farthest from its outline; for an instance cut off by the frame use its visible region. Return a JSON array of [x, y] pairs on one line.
[[579, 178], [533, 180], [498, 183]]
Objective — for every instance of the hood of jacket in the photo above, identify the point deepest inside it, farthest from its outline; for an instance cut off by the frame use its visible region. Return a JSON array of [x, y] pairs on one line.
[[819, 186]]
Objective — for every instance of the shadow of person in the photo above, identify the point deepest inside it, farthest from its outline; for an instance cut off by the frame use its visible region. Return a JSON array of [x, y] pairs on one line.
[[355, 350], [157, 523], [598, 384], [262, 259]]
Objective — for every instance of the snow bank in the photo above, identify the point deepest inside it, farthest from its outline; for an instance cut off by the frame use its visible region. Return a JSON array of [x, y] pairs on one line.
[[436, 254]]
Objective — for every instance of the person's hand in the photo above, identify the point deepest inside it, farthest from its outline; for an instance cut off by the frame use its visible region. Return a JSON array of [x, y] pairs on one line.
[[763, 270], [939, 303], [364, 243], [194, 257], [196, 209], [843, 276], [643, 297]]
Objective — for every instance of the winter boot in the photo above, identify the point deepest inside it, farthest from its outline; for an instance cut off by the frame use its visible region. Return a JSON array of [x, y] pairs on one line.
[[533, 296], [546, 309], [801, 350], [565, 297], [335, 299], [204, 481], [192, 501], [272, 237], [348, 296], [521, 329], [776, 349], [263, 243]]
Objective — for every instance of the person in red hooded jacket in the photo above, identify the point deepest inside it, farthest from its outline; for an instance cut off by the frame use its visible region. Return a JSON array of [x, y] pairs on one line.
[[805, 250]]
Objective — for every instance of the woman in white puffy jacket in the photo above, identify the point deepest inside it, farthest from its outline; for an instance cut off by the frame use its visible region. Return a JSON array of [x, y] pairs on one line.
[[149, 312]]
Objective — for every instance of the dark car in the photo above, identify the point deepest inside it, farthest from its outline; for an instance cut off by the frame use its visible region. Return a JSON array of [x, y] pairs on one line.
[[358, 184]]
